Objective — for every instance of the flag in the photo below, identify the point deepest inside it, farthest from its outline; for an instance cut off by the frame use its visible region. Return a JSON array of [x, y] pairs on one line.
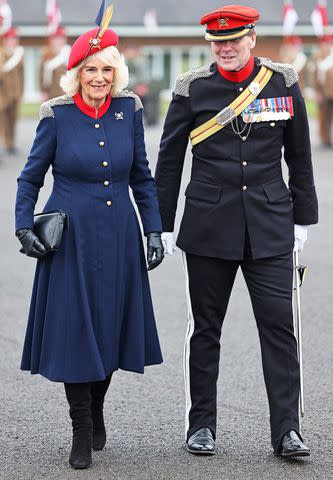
[[150, 19], [290, 18], [319, 18], [5, 18], [53, 14]]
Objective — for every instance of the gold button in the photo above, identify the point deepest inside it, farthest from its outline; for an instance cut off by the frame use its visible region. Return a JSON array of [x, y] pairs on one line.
[[244, 164], [245, 188], [101, 144], [272, 124], [109, 203], [241, 89], [105, 164], [97, 125], [106, 183]]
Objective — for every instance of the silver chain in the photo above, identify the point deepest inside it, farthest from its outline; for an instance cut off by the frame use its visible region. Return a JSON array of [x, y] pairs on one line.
[[238, 131]]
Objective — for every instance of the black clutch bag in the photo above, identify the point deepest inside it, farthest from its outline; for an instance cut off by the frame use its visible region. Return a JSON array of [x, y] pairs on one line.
[[49, 227]]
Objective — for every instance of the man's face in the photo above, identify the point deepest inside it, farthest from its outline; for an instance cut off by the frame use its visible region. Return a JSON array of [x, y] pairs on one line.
[[11, 43], [57, 43], [233, 55]]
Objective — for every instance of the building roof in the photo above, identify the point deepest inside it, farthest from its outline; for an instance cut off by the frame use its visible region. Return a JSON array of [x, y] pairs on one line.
[[176, 13]]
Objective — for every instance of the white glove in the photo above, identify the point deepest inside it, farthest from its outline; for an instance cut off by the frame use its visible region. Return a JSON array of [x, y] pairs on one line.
[[168, 243], [301, 235]]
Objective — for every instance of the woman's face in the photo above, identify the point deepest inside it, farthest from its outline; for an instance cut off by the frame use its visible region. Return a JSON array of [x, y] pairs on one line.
[[96, 79]]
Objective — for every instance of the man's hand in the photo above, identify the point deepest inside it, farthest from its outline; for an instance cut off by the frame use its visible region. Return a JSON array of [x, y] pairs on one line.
[[301, 235], [30, 243], [168, 243]]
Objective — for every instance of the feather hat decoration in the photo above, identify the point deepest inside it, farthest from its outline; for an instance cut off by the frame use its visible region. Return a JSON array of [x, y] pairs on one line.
[[96, 39]]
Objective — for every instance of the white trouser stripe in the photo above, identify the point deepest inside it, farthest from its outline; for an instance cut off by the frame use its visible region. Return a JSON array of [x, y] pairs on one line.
[[186, 359]]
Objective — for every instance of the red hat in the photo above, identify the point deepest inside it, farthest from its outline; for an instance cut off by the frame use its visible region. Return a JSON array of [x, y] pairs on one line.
[[11, 33], [90, 43], [59, 32], [229, 22], [293, 40]]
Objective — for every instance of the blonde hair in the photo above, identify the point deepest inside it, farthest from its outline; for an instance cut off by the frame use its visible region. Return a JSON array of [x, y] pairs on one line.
[[70, 81]]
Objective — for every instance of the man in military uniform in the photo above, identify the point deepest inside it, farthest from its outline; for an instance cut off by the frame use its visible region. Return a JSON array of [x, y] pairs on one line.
[[12, 88], [292, 52], [238, 213], [323, 86], [53, 64], [3, 98]]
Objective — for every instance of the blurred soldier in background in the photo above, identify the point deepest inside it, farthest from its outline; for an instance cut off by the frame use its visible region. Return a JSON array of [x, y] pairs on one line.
[[323, 86], [2, 96], [53, 64], [292, 52], [12, 87]]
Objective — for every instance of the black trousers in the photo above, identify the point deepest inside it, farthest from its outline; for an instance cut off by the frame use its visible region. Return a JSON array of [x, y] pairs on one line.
[[269, 283]]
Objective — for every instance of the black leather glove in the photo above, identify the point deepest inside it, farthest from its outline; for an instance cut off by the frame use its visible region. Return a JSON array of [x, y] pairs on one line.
[[154, 246], [30, 243]]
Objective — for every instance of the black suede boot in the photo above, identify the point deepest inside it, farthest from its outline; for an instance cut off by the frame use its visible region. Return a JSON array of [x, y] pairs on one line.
[[98, 391], [79, 399]]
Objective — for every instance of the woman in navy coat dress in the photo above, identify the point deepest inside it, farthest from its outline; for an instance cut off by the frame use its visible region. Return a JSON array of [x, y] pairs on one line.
[[91, 310]]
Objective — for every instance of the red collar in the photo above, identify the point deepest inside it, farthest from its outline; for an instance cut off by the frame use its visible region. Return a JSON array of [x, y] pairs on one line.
[[241, 75], [88, 110]]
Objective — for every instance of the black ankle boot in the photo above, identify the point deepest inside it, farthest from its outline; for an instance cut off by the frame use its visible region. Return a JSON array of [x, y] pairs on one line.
[[98, 391], [79, 399]]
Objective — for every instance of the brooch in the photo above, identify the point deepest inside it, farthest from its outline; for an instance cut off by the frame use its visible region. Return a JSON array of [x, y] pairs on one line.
[[95, 43], [119, 116]]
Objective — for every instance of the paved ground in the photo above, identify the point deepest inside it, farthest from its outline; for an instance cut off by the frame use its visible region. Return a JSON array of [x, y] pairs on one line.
[[144, 414]]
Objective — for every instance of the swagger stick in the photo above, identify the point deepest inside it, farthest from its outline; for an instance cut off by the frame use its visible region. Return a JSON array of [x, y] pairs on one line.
[[299, 271]]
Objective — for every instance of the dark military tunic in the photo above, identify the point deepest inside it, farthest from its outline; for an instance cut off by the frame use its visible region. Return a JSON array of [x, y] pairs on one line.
[[236, 184], [91, 311]]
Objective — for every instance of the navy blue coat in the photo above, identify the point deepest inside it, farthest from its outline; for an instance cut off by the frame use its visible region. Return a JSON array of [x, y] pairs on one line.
[[91, 310], [236, 185]]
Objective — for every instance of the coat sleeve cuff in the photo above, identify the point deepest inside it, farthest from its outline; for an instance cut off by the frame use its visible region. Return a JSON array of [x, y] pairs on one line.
[[305, 215]]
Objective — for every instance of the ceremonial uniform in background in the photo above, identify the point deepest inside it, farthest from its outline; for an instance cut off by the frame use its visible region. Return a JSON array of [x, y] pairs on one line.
[[3, 95], [293, 54], [53, 64], [323, 85], [239, 213], [13, 87]]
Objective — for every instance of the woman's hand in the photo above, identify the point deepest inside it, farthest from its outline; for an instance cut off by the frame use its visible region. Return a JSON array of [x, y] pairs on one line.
[[154, 247], [30, 243]]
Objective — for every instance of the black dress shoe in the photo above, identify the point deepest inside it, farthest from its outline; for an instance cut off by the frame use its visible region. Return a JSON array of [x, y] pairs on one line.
[[201, 442], [292, 446]]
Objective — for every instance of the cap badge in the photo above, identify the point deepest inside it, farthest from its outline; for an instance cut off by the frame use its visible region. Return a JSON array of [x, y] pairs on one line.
[[95, 42], [254, 88], [223, 22]]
